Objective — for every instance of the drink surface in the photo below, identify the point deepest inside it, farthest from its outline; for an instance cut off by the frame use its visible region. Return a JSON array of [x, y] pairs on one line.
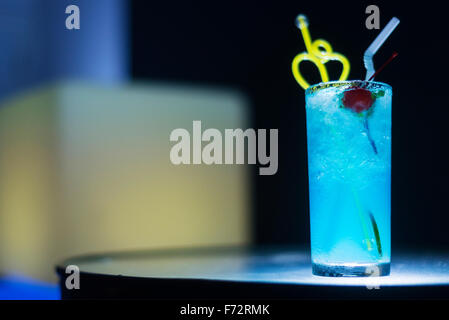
[[349, 157]]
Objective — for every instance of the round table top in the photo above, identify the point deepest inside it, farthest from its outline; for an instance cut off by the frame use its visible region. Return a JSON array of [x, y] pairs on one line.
[[275, 268]]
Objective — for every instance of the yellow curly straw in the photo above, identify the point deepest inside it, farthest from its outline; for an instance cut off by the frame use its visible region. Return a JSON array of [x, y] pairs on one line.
[[317, 56]]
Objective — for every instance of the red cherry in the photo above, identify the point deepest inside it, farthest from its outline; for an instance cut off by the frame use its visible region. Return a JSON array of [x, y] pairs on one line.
[[358, 99]]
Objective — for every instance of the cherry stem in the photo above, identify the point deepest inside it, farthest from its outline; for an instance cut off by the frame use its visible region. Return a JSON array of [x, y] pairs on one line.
[[394, 55]]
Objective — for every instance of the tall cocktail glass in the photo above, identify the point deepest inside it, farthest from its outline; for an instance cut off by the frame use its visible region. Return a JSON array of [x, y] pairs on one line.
[[349, 167]]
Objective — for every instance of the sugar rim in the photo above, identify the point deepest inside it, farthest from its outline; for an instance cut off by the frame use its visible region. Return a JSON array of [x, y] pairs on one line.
[[329, 84]]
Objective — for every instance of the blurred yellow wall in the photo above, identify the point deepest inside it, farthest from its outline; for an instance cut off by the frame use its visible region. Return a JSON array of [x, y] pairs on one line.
[[87, 169]]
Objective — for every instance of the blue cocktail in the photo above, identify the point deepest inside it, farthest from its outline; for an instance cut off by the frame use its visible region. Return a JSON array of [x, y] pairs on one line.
[[349, 157]]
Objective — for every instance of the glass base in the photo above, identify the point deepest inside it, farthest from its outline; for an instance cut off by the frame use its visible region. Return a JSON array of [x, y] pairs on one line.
[[362, 270]]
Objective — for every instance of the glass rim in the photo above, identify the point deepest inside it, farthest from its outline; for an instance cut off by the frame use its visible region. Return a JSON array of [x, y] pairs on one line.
[[337, 83]]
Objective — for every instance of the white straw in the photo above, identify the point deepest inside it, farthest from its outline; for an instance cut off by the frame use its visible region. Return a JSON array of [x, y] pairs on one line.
[[377, 43]]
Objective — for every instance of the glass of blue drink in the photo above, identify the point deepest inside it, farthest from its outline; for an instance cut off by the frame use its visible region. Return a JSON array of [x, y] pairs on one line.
[[349, 163]]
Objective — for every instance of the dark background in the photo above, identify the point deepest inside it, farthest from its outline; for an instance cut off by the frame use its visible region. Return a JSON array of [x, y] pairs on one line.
[[249, 45]]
